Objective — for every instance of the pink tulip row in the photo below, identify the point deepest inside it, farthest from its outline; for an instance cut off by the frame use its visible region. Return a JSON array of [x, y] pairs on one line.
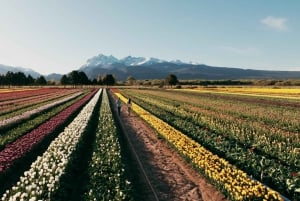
[[24, 144]]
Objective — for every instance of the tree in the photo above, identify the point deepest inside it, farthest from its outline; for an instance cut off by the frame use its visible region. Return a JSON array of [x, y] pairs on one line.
[[19, 78], [2, 79], [41, 80], [74, 77], [171, 79], [64, 80], [9, 78], [30, 80], [109, 79], [83, 79]]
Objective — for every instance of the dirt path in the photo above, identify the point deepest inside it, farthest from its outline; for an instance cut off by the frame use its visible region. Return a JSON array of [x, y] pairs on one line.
[[172, 178]]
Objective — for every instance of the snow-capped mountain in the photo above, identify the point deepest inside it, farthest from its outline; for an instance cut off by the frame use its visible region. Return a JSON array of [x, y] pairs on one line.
[[132, 61], [107, 61], [151, 61], [102, 60]]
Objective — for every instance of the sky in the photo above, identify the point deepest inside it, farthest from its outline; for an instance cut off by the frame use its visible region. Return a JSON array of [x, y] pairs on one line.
[[58, 36]]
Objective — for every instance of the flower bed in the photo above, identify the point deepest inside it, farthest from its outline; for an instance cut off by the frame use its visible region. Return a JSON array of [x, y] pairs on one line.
[[24, 144], [25, 93], [10, 134], [42, 179], [30, 113], [232, 181], [268, 155], [106, 171], [20, 105]]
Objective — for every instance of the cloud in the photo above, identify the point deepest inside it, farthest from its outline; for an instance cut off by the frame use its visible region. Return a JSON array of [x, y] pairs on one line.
[[277, 23]]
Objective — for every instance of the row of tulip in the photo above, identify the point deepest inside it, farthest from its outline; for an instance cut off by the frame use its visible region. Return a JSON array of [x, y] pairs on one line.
[[227, 116], [269, 141], [277, 143], [33, 112], [261, 164], [106, 170], [266, 91], [273, 112], [42, 179], [17, 106], [12, 133], [19, 100], [26, 93], [232, 181], [4, 105], [24, 144], [5, 90]]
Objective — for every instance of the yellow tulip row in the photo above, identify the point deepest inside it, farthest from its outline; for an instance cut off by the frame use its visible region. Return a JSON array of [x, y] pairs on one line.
[[259, 90], [234, 182], [291, 93]]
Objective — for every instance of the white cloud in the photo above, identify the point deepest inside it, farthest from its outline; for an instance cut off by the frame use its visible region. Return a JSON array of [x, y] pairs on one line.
[[277, 23]]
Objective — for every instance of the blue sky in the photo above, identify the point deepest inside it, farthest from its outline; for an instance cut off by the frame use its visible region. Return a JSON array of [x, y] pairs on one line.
[[60, 35]]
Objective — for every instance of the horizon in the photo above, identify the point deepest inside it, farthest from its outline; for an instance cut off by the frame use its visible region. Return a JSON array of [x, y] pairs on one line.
[[58, 37]]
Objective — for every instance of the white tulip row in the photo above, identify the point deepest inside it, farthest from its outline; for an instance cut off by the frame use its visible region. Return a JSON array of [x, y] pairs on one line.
[[30, 113], [106, 170], [42, 179]]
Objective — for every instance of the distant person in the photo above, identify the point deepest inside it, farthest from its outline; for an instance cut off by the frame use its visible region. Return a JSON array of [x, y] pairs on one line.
[[129, 106], [119, 105]]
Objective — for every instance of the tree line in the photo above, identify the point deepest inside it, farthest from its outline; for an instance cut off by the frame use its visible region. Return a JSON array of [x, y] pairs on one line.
[[20, 79], [74, 78], [80, 78]]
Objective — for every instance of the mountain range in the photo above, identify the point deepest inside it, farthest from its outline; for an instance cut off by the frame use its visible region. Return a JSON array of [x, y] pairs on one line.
[[142, 68], [152, 68]]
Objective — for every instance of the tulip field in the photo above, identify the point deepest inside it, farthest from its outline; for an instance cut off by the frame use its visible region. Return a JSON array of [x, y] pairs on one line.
[[245, 141], [63, 143], [41, 146]]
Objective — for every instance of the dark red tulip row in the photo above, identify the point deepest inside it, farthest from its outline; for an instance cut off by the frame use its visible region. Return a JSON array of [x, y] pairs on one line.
[[24, 144]]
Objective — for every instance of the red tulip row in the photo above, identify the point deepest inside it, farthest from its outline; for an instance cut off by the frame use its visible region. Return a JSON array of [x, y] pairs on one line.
[[27, 142]]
